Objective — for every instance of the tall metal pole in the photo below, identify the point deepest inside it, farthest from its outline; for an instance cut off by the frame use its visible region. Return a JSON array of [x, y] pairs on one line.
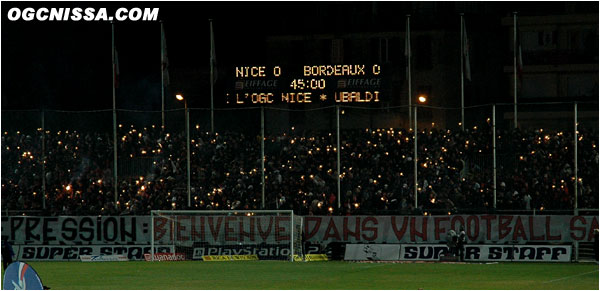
[[515, 66], [576, 134], [262, 155], [408, 55], [494, 149], [576, 210], [212, 78], [415, 159], [462, 73], [114, 95], [43, 158], [152, 235], [339, 188], [188, 146], [162, 72]]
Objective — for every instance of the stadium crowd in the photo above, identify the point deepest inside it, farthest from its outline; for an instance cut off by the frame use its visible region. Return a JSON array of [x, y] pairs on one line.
[[534, 168]]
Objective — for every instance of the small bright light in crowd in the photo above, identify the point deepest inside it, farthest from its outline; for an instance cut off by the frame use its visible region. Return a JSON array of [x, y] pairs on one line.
[[68, 188], [422, 99], [330, 209], [179, 97]]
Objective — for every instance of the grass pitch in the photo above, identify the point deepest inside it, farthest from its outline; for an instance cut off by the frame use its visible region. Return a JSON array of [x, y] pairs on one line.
[[315, 275]]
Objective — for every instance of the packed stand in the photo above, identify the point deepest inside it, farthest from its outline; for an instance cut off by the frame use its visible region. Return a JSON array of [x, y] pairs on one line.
[[534, 170]]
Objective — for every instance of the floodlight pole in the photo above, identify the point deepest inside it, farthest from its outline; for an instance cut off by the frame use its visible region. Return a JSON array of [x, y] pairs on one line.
[[462, 74], [494, 149], [515, 48], [43, 158], [188, 146], [339, 188], [576, 134], [576, 211], [415, 159], [262, 155], [114, 99], [408, 55], [212, 79], [162, 73]]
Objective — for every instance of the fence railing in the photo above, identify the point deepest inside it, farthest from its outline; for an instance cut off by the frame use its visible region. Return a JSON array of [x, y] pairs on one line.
[[337, 159]]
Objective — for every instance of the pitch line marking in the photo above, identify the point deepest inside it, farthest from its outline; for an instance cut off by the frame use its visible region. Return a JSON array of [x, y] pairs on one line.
[[567, 277]]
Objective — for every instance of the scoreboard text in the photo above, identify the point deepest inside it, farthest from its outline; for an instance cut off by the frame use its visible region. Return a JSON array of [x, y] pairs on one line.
[[325, 84]]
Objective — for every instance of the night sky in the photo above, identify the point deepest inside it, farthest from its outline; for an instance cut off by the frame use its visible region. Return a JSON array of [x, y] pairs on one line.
[[67, 65]]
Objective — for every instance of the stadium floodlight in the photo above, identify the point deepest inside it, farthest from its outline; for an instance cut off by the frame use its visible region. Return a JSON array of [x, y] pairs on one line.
[[195, 234], [179, 97]]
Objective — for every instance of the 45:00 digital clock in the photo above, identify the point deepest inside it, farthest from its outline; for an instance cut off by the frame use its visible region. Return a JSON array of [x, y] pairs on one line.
[[312, 84]]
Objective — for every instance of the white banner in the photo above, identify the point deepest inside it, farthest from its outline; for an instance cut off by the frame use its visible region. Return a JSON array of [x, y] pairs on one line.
[[490, 229], [233, 230], [489, 253], [422, 252], [519, 253], [372, 252], [184, 229], [75, 253], [71, 230]]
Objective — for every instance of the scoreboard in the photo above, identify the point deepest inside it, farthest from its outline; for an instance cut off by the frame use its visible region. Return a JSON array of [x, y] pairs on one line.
[[320, 84]]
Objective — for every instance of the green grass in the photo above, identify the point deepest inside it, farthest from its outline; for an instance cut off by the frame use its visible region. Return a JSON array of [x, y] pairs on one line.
[[314, 275]]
